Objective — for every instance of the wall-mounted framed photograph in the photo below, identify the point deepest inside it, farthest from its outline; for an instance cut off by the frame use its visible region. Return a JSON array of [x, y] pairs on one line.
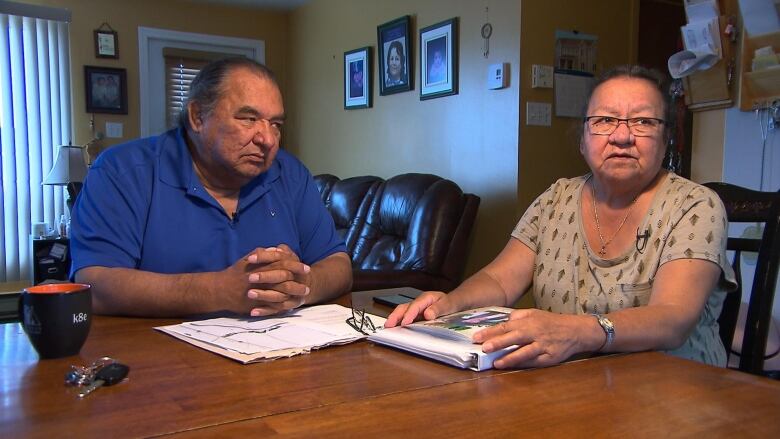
[[106, 44], [393, 56], [106, 90], [439, 59], [357, 78]]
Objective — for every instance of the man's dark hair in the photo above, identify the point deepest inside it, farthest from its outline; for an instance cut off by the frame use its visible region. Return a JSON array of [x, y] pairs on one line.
[[639, 72], [208, 85]]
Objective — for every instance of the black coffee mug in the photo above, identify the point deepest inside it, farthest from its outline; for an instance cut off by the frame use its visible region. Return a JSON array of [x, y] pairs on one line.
[[56, 317]]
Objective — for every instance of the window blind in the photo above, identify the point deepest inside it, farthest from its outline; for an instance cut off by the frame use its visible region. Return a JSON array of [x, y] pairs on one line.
[[35, 118], [181, 67], [179, 73]]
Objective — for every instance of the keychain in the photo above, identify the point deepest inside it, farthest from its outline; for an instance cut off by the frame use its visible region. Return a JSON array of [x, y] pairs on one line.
[[487, 31]]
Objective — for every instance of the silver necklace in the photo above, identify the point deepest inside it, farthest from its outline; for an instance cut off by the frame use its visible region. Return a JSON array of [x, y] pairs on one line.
[[604, 244]]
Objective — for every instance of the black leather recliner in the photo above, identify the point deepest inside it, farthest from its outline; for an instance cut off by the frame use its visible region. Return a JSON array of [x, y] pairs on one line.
[[411, 230]]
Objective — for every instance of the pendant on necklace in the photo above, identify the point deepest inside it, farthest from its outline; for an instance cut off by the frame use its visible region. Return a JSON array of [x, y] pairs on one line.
[[603, 251]]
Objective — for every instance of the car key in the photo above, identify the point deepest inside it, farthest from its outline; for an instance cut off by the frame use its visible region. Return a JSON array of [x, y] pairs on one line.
[[83, 375], [108, 375]]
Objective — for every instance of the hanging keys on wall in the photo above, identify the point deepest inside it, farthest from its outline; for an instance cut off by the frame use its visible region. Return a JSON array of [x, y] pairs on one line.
[[487, 31]]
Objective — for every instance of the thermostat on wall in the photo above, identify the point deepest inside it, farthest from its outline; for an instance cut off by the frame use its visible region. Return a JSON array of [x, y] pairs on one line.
[[497, 76]]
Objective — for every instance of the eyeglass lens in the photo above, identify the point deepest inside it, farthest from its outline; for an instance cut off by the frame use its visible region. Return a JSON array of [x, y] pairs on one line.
[[638, 126], [360, 321]]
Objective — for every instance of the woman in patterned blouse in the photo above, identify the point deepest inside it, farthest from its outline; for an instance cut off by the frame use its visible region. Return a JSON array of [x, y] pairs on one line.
[[629, 257]]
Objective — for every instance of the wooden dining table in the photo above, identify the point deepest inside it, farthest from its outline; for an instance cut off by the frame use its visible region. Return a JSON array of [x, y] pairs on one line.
[[367, 390]]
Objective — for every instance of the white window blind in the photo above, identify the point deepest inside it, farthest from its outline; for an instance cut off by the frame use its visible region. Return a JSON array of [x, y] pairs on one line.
[[181, 67], [35, 118], [179, 73]]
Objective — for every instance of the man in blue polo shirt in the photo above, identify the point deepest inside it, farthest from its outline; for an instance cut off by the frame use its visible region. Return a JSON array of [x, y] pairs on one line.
[[209, 216]]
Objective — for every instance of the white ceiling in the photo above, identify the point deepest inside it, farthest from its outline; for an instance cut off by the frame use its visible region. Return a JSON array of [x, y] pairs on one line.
[[285, 5]]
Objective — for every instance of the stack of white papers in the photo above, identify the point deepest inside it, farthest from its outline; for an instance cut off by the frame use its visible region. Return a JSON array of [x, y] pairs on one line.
[[701, 39], [253, 339]]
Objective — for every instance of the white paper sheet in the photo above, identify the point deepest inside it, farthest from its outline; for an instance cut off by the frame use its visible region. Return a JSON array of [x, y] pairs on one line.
[[759, 16], [570, 93], [701, 10], [701, 39], [267, 338]]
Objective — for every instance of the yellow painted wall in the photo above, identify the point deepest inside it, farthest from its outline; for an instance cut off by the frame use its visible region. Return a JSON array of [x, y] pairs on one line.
[[709, 131], [125, 16], [474, 138], [549, 153], [470, 138]]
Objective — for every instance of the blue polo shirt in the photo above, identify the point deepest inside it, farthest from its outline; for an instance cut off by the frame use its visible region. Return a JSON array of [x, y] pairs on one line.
[[142, 206]]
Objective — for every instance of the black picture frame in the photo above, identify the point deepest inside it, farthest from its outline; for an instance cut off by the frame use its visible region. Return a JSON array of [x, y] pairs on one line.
[[357, 78], [105, 89], [106, 44], [394, 37], [439, 59]]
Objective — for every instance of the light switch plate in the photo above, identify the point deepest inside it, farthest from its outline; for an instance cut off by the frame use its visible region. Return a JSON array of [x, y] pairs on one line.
[[114, 130], [541, 76], [538, 113]]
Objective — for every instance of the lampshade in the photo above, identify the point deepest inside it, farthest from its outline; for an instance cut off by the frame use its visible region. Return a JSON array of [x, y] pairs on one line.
[[69, 166]]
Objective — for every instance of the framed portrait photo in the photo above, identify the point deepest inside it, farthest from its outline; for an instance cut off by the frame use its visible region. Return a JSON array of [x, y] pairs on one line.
[[357, 78], [106, 90], [393, 56], [439, 59], [106, 44]]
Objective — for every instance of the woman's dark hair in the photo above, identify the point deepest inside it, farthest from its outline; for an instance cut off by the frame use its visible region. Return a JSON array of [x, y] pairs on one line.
[[208, 85], [634, 71], [400, 49]]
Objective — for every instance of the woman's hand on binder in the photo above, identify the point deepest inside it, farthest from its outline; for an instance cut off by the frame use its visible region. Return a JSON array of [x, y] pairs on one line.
[[429, 305], [542, 338]]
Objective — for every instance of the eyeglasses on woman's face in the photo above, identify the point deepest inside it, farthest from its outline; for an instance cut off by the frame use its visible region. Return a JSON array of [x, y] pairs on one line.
[[638, 126]]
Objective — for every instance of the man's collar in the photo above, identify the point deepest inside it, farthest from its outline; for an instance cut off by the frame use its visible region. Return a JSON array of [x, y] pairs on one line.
[[175, 160]]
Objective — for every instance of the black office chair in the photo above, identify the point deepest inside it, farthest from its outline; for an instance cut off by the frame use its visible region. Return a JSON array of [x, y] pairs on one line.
[[749, 206]]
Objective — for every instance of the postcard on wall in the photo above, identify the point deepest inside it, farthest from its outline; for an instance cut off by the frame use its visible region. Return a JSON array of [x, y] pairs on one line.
[[571, 90], [575, 51]]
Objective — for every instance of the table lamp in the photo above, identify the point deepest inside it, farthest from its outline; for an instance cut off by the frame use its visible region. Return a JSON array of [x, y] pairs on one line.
[[69, 170]]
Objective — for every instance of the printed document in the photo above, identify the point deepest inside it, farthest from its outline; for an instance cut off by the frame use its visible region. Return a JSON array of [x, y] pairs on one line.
[[252, 339]]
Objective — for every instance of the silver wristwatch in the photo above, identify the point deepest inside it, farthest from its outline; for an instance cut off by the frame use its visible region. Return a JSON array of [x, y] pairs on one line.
[[609, 330]]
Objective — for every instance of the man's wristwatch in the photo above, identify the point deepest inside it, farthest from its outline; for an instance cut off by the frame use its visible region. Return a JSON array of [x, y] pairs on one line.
[[609, 330]]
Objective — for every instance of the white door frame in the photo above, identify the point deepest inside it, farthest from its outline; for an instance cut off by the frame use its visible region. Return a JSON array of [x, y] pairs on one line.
[[151, 66]]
